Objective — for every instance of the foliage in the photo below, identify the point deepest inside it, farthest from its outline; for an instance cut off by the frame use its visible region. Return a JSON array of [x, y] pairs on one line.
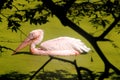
[[70, 13], [97, 11], [35, 15]]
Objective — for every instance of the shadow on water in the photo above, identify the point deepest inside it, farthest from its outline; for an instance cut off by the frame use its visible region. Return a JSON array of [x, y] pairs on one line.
[[50, 75], [14, 76], [46, 75], [56, 75]]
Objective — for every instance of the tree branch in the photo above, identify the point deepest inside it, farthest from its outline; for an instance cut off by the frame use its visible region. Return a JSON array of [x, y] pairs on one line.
[[68, 5], [110, 28], [59, 12], [40, 68]]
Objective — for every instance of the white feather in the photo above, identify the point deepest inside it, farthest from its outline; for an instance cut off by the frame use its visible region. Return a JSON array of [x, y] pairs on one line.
[[65, 43]]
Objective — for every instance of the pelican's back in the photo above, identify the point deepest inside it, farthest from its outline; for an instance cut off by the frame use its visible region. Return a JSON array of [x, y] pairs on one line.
[[65, 43]]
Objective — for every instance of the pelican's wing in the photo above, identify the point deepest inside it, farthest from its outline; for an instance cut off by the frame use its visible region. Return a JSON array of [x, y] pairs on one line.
[[79, 46], [65, 43]]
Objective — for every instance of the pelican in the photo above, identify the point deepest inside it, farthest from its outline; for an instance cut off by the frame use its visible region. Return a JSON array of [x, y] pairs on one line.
[[61, 46]]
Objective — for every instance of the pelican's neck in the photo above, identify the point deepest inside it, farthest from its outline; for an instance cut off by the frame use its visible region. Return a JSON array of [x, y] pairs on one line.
[[33, 48], [35, 42]]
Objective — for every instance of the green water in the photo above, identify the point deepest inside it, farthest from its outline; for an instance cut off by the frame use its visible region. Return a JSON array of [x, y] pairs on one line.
[[26, 64]]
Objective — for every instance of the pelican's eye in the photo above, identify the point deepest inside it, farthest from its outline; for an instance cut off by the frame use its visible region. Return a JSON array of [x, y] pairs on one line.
[[32, 36]]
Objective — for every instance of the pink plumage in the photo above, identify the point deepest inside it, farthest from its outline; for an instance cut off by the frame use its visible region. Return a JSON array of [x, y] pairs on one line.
[[61, 46]]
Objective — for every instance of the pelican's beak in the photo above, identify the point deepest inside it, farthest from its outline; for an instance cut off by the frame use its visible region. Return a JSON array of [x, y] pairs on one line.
[[22, 45]]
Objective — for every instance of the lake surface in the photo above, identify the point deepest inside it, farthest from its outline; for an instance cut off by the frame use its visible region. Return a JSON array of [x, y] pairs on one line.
[[26, 64]]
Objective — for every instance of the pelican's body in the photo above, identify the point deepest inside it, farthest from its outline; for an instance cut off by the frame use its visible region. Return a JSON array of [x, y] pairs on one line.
[[59, 46]]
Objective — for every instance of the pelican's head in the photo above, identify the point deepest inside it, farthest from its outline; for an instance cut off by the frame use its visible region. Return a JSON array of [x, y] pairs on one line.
[[35, 36]]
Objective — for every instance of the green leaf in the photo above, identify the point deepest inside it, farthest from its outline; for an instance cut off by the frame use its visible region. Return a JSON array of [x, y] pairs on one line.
[[18, 16]]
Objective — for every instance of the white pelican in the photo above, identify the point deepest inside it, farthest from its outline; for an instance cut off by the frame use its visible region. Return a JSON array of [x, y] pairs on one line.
[[61, 46]]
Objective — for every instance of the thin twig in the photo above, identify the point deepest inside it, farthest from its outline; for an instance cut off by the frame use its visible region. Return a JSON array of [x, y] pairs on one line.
[[40, 68]]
